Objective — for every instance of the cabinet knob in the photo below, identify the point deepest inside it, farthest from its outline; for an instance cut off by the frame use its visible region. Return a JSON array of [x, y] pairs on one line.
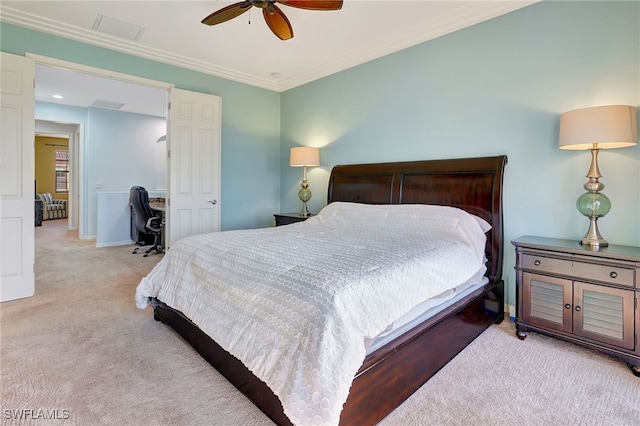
[[567, 306], [536, 262], [578, 308], [613, 274]]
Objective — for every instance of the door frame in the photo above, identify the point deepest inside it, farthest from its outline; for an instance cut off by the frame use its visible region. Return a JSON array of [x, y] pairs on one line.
[[76, 138], [99, 72]]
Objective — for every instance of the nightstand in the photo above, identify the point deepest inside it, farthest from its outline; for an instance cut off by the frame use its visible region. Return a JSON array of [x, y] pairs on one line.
[[584, 296], [289, 218], [39, 212]]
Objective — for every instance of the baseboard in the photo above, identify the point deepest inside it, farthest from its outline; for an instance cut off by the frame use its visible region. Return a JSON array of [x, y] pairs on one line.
[[510, 310], [114, 243]]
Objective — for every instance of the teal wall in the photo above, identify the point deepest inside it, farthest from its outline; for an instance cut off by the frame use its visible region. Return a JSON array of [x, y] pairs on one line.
[[495, 88], [250, 120]]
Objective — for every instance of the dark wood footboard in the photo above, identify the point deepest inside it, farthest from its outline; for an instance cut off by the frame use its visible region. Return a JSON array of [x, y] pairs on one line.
[[226, 364], [394, 372], [387, 377]]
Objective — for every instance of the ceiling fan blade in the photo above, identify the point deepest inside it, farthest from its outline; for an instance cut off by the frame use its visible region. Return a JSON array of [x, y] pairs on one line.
[[277, 22], [313, 4], [226, 13]]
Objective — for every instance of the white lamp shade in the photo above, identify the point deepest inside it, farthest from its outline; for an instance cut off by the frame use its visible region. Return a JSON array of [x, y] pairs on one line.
[[304, 156], [610, 126]]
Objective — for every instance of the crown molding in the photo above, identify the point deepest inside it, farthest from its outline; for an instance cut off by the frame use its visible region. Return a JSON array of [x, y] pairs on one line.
[[408, 37], [50, 26]]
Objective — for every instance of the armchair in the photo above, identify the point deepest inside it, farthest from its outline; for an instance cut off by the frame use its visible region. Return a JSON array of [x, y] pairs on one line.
[[53, 208], [146, 221]]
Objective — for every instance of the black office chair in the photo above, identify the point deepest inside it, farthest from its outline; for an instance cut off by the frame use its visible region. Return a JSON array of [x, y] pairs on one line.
[[146, 221]]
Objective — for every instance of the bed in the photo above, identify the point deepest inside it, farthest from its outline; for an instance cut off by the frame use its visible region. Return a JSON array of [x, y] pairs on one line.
[[398, 366]]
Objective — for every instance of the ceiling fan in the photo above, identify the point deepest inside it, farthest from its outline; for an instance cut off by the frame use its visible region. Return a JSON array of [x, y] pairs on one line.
[[275, 18]]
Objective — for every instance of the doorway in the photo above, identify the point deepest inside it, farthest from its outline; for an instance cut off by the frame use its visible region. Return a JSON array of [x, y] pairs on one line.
[[198, 114], [50, 139], [68, 95]]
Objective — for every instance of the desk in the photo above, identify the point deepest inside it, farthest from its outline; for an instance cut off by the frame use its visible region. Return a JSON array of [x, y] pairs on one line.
[[158, 206]]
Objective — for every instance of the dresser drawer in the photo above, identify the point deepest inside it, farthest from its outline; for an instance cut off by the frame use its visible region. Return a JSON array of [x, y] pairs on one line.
[[581, 270]]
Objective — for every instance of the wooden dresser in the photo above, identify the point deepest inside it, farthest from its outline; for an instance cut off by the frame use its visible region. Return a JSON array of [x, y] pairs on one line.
[[585, 296]]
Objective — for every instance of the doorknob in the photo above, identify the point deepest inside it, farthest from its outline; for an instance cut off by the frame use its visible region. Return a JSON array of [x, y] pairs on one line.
[[214, 202]]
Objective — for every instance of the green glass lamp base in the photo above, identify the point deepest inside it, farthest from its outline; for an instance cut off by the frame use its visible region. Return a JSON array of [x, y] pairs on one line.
[[305, 195], [593, 205]]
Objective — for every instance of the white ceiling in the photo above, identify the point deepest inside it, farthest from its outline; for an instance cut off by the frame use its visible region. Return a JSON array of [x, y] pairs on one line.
[[325, 42], [84, 90]]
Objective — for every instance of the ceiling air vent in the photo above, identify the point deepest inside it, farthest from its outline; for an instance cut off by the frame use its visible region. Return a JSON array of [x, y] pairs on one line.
[[107, 104], [117, 28]]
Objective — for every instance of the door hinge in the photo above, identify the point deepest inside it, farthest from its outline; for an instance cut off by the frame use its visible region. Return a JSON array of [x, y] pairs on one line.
[[168, 153], [169, 106]]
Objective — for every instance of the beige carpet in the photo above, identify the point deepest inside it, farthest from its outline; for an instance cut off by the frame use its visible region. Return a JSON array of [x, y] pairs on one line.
[[80, 349]]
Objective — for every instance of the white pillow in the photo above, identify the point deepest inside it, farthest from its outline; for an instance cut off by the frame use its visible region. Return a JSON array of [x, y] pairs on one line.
[[410, 217], [400, 212]]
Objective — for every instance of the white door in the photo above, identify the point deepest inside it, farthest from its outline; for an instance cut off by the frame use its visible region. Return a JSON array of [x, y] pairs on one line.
[[193, 147], [17, 189]]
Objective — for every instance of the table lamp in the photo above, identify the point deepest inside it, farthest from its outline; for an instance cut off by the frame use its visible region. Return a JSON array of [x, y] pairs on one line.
[[595, 128], [304, 156]]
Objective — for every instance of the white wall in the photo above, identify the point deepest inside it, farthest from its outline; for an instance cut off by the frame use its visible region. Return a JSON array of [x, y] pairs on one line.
[[113, 227], [120, 152]]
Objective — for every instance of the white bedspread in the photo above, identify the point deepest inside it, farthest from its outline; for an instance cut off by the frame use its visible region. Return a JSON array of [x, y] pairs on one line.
[[294, 303]]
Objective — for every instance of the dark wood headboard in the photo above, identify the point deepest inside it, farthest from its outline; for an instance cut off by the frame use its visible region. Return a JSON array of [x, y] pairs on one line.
[[471, 184]]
